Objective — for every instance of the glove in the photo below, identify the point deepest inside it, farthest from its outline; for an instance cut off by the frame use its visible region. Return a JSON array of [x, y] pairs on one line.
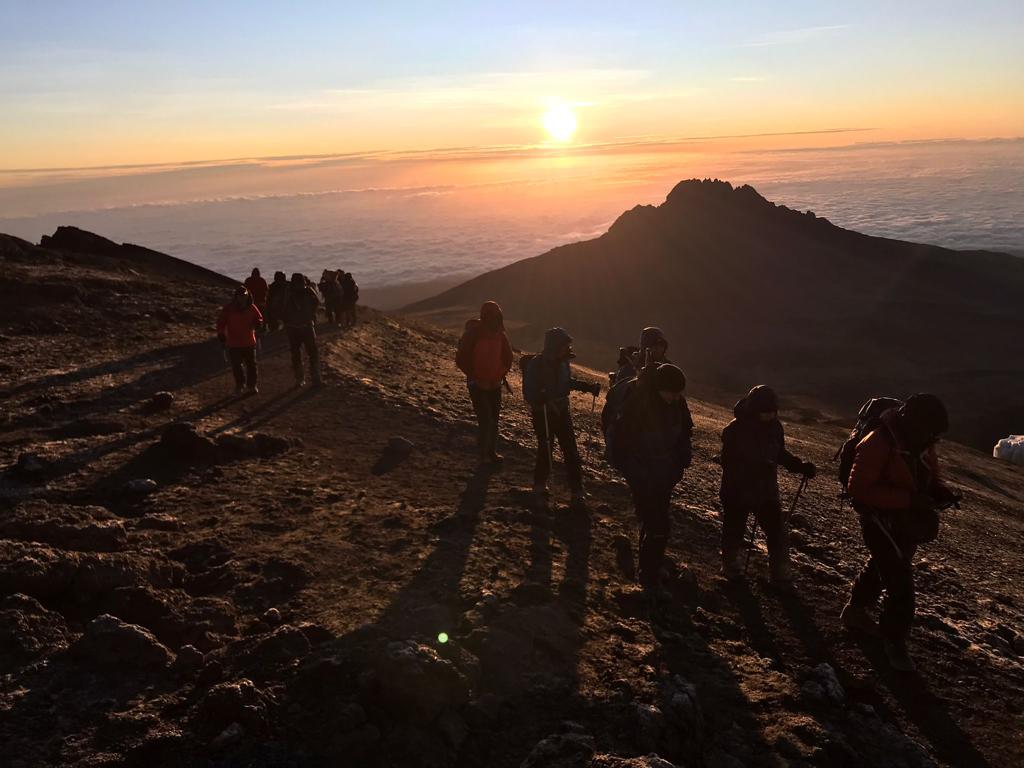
[[222, 339], [808, 470]]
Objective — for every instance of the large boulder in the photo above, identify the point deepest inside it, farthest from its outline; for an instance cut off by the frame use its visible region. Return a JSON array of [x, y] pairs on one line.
[[28, 630], [110, 642], [237, 701], [561, 750], [415, 681], [88, 529]]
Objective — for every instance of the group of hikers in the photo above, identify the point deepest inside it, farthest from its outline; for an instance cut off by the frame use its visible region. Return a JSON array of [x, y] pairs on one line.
[[257, 308], [888, 466]]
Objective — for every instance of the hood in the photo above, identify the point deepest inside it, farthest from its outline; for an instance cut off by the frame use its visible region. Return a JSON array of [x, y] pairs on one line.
[[491, 316], [279, 277], [921, 420], [760, 399], [651, 336], [554, 340]]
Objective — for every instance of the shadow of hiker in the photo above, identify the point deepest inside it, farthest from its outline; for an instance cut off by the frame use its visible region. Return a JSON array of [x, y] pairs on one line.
[[923, 708], [760, 635], [394, 454]]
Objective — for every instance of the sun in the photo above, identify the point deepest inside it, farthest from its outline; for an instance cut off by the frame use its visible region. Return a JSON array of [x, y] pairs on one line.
[[560, 122]]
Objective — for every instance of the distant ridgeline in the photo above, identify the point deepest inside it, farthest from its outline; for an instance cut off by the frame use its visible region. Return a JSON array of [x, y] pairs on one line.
[[751, 292]]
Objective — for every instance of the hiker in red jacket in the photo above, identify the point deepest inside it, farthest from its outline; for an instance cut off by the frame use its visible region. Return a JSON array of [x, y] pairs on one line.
[[485, 356], [257, 288], [236, 329], [897, 491]]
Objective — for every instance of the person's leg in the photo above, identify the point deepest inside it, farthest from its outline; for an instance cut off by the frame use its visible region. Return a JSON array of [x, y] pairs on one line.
[[313, 353], [867, 587], [494, 415], [251, 371], [482, 411], [734, 531], [653, 505], [542, 466], [769, 517], [235, 358], [566, 435]]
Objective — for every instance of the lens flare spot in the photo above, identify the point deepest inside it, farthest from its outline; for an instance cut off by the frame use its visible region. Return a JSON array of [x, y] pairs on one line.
[[442, 637]]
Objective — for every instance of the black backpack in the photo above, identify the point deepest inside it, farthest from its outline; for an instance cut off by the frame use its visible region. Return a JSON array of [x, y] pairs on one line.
[[868, 419], [611, 418]]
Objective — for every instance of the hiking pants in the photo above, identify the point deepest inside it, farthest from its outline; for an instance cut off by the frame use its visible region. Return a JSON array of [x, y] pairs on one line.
[[653, 503], [559, 427], [243, 356], [887, 570], [487, 406], [769, 520], [297, 339]]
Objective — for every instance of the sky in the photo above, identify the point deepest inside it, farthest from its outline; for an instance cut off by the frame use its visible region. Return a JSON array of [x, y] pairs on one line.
[[86, 84]]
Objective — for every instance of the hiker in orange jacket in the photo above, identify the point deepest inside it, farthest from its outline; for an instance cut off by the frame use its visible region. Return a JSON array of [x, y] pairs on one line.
[[236, 329], [258, 289], [485, 356], [897, 491]]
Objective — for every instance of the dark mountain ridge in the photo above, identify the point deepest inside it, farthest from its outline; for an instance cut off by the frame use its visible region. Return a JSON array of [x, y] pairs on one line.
[[749, 291]]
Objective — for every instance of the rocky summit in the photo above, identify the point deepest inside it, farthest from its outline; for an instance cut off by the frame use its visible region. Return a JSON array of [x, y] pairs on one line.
[[322, 576]]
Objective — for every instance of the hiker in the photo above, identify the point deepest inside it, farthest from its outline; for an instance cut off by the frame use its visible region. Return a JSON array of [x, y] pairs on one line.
[[276, 295], [753, 446], [257, 288], [653, 348], [349, 298], [237, 325], [547, 382], [485, 356], [330, 290], [897, 491], [652, 449], [299, 317]]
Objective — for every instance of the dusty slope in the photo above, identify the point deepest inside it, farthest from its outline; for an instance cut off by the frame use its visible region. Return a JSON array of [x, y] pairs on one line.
[[357, 547], [749, 291]]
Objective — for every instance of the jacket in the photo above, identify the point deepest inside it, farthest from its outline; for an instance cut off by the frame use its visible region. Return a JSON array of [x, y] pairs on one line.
[[655, 438], [885, 475], [752, 451], [547, 379], [299, 308], [485, 352], [257, 288], [238, 326]]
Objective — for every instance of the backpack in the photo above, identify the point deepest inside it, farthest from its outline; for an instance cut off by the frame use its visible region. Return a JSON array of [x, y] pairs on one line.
[[868, 419], [464, 352], [530, 373], [611, 418]]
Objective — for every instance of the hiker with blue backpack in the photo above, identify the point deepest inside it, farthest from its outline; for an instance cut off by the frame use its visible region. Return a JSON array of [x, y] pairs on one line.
[[648, 432], [753, 448], [889, 468], [547, 382]]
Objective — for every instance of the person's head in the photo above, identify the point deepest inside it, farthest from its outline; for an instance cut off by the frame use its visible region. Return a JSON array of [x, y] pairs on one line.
[[490, 316], [763, 404], [255, 272], [280, 277], [654, 340], [241, 299], [922, 421], [670, 382], [626, 356], [298, 281], [558, 344]]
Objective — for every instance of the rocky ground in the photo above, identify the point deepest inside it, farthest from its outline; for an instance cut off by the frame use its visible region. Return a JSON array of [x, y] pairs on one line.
[[323, 577]]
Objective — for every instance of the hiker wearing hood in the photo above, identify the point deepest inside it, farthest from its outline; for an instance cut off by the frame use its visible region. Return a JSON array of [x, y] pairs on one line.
[[299, 315], [485, 356], [257, 288], [276, 295], [547, 382], [653, 348], [896, 489], [237, 325], [330, 290], [654, 448], [753, 447]]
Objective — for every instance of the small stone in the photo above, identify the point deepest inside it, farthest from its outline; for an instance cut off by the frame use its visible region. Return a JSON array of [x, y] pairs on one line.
[[228, 736], [140, 486], [189, 661], [161, 401], [272, 616], [110, 642]]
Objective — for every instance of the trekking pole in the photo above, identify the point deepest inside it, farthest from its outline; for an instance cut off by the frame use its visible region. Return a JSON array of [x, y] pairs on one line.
[[547, 440], [796, 498], [750, 544], [590, 436]]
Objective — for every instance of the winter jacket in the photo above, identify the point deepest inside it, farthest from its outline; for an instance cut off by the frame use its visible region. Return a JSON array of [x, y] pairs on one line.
[[485, 353], [238, 326], [299, 307], [276, 294], [257, 288], [751, 453], [885, 475], [654, 438], [547, 378]]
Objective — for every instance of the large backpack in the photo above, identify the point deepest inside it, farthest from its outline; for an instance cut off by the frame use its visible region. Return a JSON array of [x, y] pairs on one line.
[[868, 419], [464, 353], [611, 418], [530, 373]]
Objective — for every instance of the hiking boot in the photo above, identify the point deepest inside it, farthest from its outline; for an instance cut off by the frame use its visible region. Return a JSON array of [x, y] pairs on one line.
[[317, 381], [300, 383], [254, 390], [656, 594], [857, 619], [239, 389], [898, 657], [578, 500], [495, 458]]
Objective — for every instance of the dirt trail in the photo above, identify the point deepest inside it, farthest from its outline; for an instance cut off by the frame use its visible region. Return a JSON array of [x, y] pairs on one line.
[[354, 547]]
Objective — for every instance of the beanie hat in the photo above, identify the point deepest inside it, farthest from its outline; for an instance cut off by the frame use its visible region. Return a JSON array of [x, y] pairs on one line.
[[668, 378], [762, 399]]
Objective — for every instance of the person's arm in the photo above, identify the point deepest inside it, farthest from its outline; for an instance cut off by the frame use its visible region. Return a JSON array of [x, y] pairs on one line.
[[683, 449], [222, 324], [868, 484], [579, 385], [506, 354]]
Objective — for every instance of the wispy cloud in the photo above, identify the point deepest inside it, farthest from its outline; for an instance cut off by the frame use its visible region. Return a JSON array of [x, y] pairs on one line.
[[793, 36], [748, 79]]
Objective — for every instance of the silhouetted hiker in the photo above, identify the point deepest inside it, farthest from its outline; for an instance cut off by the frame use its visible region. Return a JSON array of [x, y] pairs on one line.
[[276, 295], [485, 356], [257, 288], [897, 491], [652, 448], [547, 382], [753, 445], [236, 330], [299, 316], [330, 290], [350, 296], [653, 348]]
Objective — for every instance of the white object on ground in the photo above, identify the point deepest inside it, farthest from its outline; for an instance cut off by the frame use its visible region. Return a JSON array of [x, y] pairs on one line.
[[1010, 449]]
